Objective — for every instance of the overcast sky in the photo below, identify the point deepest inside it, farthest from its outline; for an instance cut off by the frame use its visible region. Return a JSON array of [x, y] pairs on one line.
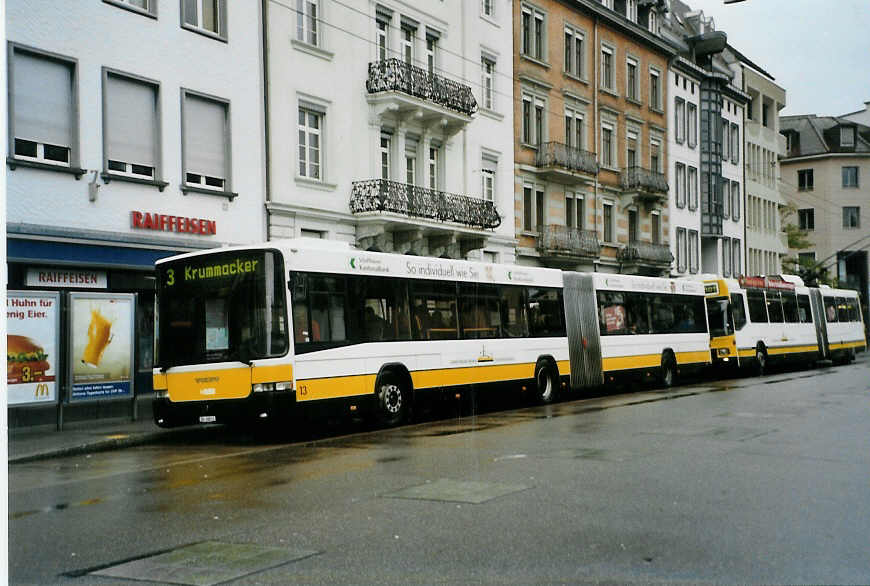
[[818, 50]]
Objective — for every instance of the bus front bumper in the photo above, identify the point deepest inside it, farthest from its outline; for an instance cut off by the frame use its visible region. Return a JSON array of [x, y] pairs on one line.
[[265, 407]]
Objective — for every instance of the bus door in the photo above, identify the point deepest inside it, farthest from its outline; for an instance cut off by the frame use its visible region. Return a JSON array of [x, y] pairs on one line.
[[820, 323], [584, 341]]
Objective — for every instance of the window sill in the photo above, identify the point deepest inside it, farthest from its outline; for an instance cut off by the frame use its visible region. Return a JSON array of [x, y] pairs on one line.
[[692, 145], [576, 78], [131, 8], [527, 145], [315, 184], [109, 177], [609, 92], [634, 101], [491, 114], [13, 163], [186, 189], [535, 60], [656, 110], [530, 233], [205, 33], [490, 18], [312, 49]]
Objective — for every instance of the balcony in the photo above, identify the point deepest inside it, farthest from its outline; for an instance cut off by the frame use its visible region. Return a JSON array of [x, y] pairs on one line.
[[561, 163], [645, 186], [402, 89], [645, 258], [564, 245], [380, 196]]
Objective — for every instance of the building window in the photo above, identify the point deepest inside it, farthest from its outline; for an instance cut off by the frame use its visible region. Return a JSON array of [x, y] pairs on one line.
[[655, 90], [851, 217], [606, 145], [208, 16], [726, 257], [692, 125], [407, 44], [847, 136], [735, 201], [692, 190], [487, 81], [655, 155], [487, 173], [807, 259], [607, 68], [205, 154], [306, 21], [850, 176], [765, 114], [805, 180], [575, 210], [310, 147], [574, 58], [433, 167], [383, 39], [680, 187], [680, 120], [726, 199], [431, 53], [607, 221], [533, 33], [143, 6], [631, 10], [630, 148], [693, 251], [42, 112], [632, 89], [533, 208], [656, 220], [411, 161], [807, 219], [735, 144], [653, 22], [681, 250], [487, 8], [726, 140], [574, 136], [736, 269], [386, 152], [632, 226], [533, 120], [131, 126]]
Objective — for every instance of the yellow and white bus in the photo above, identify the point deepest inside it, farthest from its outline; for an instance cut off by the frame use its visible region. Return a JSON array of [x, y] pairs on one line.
[[758, 320], [257, 331]]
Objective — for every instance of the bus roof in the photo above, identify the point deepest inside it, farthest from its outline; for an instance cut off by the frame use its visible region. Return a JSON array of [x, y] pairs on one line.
[[613, 282]]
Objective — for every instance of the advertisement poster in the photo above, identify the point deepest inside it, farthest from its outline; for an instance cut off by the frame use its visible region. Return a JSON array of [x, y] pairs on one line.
[[101, 345], [32, 329]]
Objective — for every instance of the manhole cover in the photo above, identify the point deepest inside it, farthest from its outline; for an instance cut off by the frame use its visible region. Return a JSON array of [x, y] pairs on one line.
[[205, 563], [457, 491]]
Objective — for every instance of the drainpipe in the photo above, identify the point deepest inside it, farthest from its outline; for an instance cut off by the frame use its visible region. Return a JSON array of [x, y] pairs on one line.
[[267, 152], [595, 65]]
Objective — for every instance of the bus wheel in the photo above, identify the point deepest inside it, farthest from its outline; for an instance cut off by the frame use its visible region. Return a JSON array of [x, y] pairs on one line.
[[545, 383], [760, 360], [669, 371], [392, 399]]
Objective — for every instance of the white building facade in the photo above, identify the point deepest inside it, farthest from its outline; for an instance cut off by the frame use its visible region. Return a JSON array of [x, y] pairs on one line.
[[135, 132], [391, 125]]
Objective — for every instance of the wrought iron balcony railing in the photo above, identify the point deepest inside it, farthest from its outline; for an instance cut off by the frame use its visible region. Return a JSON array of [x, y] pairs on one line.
[[644, 179], [381, 195], [645, 252], [561, 155], [572, 241], [396, 75]]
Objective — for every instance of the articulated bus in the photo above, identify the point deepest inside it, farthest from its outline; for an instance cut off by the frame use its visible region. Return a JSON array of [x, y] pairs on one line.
[[757, 320], [260, 331]]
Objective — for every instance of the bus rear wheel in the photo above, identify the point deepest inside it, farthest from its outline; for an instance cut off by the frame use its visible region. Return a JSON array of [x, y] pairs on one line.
[[545, 383], [393, 399], [669, 371], [760, 361]]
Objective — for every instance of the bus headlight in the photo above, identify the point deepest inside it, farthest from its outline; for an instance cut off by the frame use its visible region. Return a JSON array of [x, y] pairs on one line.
[[263, 387], [162, 394], [723, 351], [284, 386]]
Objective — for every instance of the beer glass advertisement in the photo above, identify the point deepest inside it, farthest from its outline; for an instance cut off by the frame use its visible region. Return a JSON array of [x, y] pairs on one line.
[[32, 347], [101, 343]]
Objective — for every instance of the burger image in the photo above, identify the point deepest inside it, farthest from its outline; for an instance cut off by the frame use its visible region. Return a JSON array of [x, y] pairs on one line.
[[25, 359]]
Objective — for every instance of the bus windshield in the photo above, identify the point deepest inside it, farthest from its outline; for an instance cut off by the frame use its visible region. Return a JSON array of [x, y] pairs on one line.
[[717, 317], [220, 307]]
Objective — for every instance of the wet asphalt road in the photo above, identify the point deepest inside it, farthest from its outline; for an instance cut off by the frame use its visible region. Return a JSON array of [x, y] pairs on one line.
[[740, 481]]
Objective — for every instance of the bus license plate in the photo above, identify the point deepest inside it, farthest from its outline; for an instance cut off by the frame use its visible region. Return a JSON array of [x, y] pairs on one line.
[[207, 419]]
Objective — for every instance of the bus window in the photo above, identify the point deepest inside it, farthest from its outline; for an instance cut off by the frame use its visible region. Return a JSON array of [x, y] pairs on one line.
[[434, 310], [546, 313], [689, 313], [479, 311], [738, 312], [774, 307], [830, 309], [664, 319], [717, 316], [513, 312], [637, 307], [380, 309], [804, 311], [852, 305], [327, 302], [790, 308], [842, 310], [757, 307], [612, 317]]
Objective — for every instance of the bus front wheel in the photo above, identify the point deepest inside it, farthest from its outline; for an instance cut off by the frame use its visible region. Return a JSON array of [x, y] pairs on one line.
[[669, 370], [393, 399], [545, 383], [760, 361]]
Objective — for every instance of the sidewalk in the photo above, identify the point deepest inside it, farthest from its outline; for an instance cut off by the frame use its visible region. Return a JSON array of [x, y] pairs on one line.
[[82, 437]]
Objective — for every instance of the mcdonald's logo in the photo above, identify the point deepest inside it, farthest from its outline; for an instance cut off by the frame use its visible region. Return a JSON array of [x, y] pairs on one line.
[[41, 390]]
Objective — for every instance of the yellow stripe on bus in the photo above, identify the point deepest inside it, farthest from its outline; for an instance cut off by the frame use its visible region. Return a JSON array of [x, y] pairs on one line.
[[750, 352], [842, 345], [652, 360], [207, 385], [273, 373]]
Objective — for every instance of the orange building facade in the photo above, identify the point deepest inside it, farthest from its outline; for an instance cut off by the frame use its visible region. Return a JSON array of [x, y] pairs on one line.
[[590, 153]]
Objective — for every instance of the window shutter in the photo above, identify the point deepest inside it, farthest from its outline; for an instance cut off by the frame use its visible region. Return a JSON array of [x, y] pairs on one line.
[[205, 137], [131, 121], [42, 99]]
